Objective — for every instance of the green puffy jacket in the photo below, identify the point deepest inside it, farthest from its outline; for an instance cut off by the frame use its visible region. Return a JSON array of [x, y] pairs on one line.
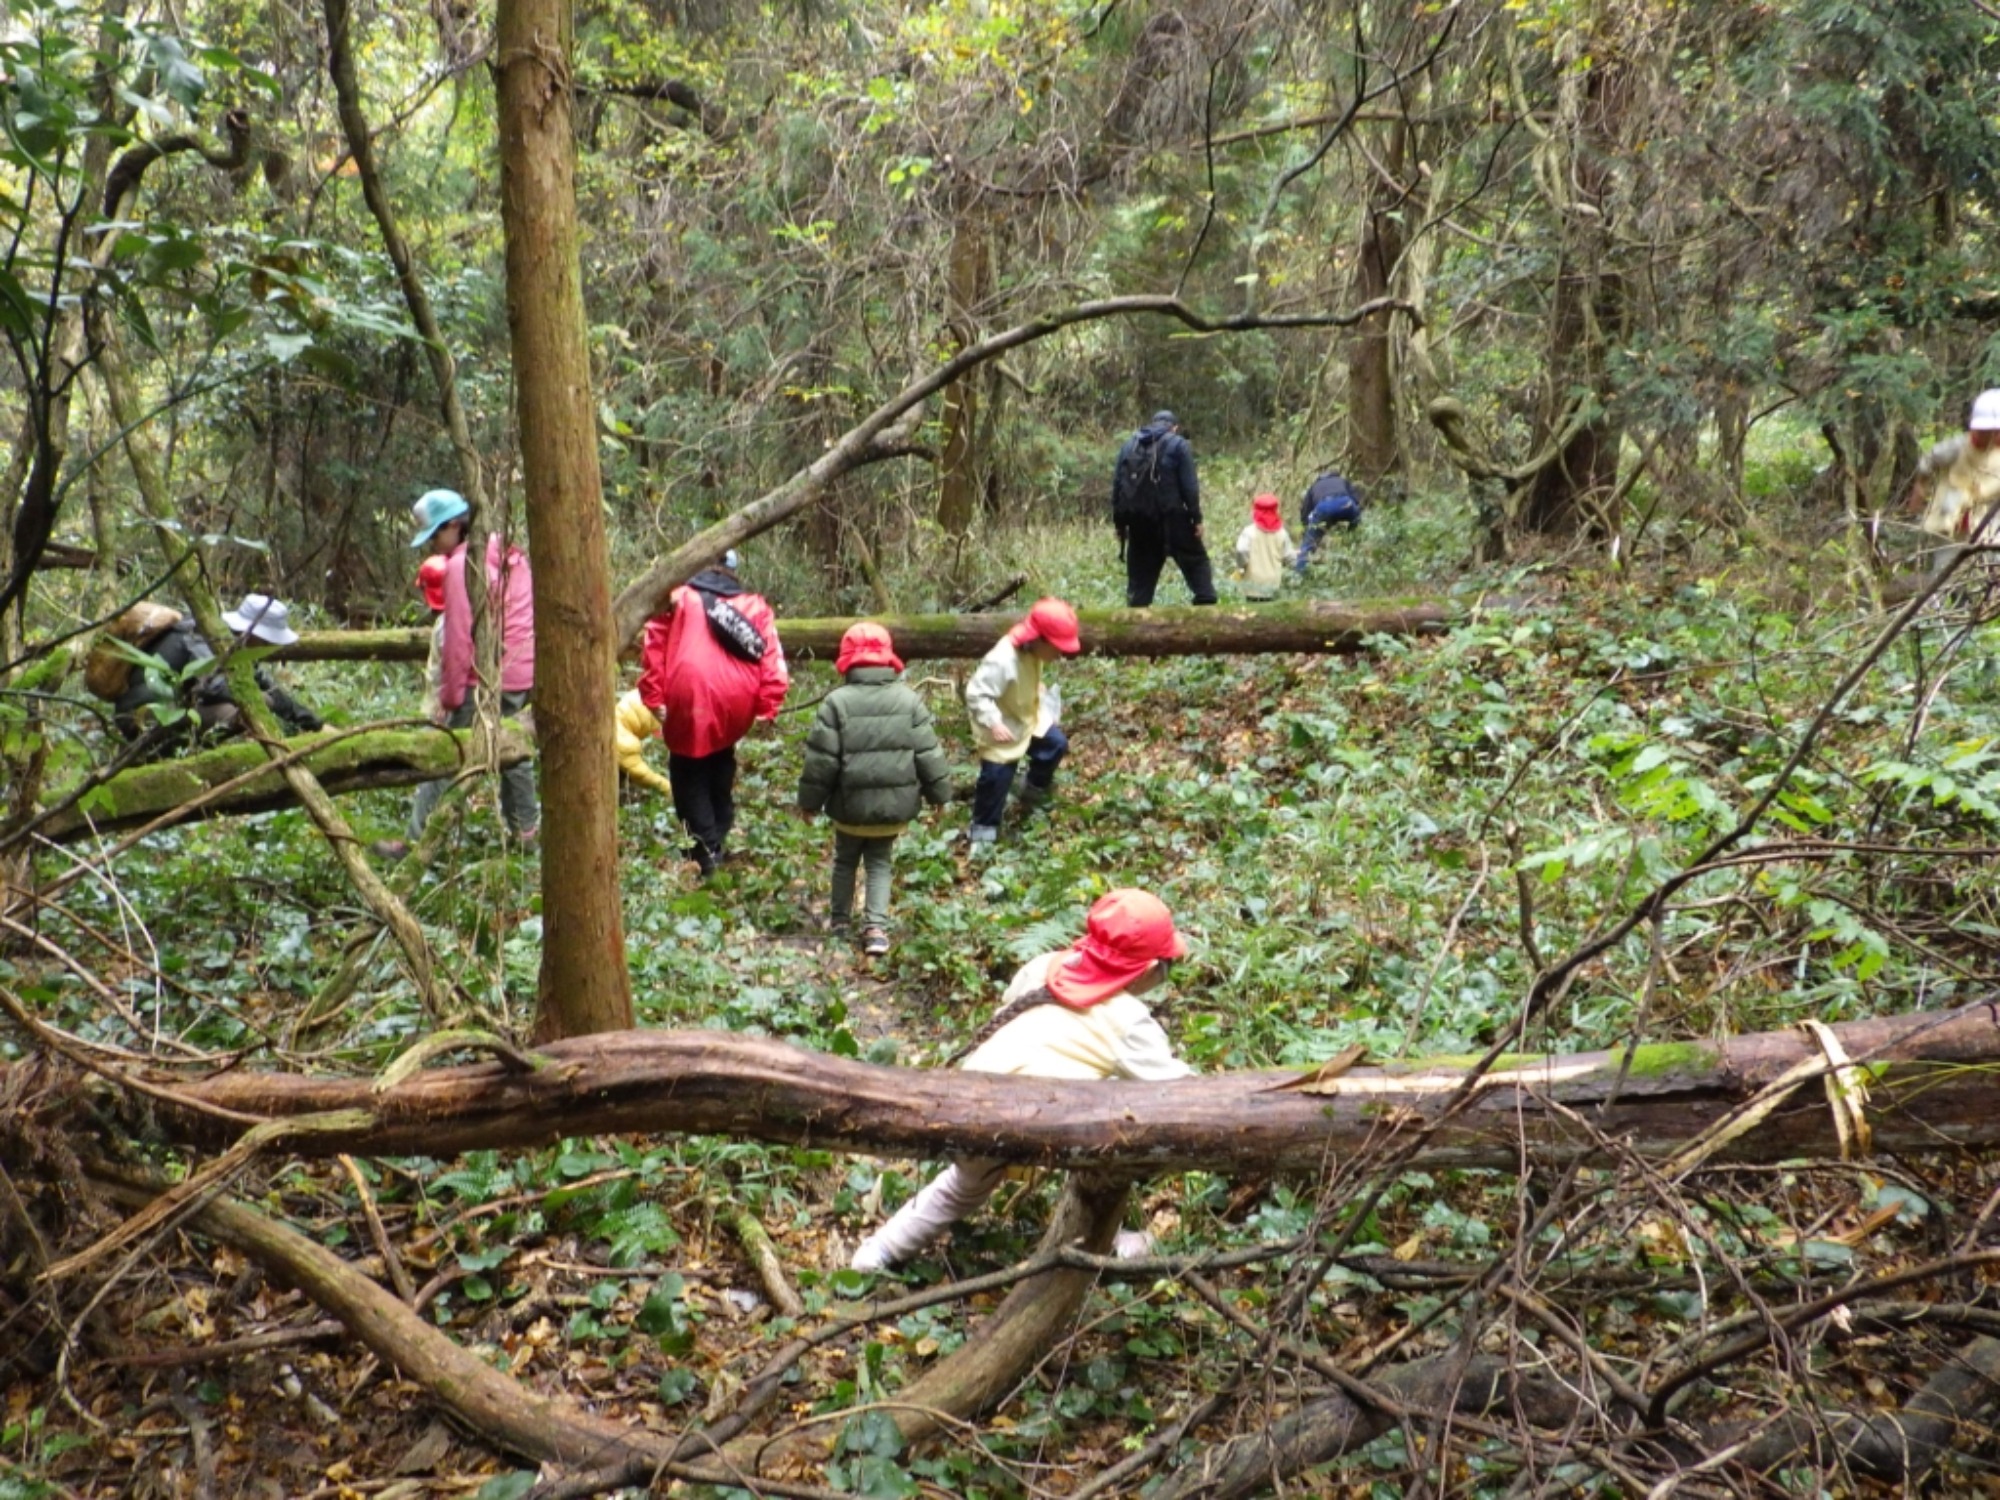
[[872, 755]]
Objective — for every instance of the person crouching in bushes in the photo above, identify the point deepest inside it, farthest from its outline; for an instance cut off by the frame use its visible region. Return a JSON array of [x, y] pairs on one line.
[[1016, 712], [1263, 549], [872, 760], [1074, 1013]]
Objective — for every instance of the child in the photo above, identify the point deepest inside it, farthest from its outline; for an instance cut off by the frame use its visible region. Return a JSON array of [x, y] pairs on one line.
[[1263, 549], [430, 583], [871, 756], [632, 725], [1076, 1014], [1016, 713]]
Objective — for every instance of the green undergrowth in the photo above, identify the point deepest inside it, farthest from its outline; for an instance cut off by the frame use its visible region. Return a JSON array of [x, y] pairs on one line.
[[1381, 849]]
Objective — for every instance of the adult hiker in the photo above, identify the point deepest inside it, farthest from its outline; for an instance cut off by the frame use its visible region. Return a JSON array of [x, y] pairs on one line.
[[1156, 510], [872, 761], [711, 666], [169, 674], [443, 518], [1017, 714], [1074, 1013], [261, 620], [1263, 549], [1330, 500], [1959, 479]]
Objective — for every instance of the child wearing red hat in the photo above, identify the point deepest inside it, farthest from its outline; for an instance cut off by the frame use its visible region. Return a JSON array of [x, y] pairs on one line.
[[430, 583], [1017, 713], [1074, 1013], [1263, 549], [872, 760]]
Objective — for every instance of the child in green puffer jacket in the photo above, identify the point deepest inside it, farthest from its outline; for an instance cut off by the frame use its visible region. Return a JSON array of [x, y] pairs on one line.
[[872, 760]]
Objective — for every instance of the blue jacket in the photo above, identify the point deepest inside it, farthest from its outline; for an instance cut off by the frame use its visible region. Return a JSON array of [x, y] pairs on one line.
[[1330, 486], [1163, 482]]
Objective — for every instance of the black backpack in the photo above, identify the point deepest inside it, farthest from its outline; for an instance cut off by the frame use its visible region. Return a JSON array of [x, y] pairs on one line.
[[1135, 492]]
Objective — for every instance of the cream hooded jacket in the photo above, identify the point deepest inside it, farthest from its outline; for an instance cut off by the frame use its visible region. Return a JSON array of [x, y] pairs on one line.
[[1007, 688], [1116, 1038]]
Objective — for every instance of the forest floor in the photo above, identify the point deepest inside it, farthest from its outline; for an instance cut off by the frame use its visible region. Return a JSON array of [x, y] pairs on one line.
[[1340, 837]]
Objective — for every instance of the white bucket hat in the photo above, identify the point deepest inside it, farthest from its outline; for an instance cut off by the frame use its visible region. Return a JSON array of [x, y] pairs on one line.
[[262, 618], [1985, 412]]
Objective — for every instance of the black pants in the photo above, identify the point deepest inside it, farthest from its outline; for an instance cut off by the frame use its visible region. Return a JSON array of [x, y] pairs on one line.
[[1148, 545], [705, 799]]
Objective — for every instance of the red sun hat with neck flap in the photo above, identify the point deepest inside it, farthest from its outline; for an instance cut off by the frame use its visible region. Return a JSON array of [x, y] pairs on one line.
[[1053, 621], [867, 644], [1127, 932], [1264, 511]]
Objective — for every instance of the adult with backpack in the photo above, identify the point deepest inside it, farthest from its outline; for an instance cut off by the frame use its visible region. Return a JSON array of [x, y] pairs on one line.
[[1330, 500], [712, 666], [1156, 510], [149, 662]]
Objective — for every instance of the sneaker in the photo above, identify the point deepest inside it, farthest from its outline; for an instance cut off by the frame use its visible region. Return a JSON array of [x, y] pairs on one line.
[[870, 1255], [389, 851], [874, 942], [527, 838], [980, 833]]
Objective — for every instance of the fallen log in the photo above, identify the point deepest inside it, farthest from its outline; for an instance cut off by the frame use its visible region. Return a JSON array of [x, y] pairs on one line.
[[349, 763], [1933, 1083], [1305, 627]]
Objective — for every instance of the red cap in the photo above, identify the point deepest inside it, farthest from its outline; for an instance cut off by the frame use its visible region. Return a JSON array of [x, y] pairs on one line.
[[1127, 932], [867, 644], [1053, 621], [430, 581], [1264, 511]]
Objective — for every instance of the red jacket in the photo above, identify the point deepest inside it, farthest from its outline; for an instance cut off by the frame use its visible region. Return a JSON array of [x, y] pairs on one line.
[[707, 697], [514, 607]]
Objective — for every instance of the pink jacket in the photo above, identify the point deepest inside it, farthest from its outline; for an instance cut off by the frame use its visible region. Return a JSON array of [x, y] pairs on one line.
[[707, 697], [515, 604]]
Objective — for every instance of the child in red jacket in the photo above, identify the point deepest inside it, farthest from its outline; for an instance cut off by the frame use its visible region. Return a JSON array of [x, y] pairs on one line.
[[711, 667]]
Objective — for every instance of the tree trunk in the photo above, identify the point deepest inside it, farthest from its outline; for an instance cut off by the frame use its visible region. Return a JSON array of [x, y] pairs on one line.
[[584, 986], [1587, 313], [1372, 448], [968, 284], [1309, 627], [1929, 1090]]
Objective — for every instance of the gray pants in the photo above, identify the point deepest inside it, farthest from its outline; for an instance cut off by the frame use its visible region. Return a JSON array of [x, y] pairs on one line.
[[851, 850], [517, 782]]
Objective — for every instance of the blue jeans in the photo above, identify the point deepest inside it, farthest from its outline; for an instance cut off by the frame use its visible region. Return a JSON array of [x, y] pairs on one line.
[[996, 777], [1339, 511]]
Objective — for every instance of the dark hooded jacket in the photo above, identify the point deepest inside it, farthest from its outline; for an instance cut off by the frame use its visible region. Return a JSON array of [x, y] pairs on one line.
[[1154, 479]]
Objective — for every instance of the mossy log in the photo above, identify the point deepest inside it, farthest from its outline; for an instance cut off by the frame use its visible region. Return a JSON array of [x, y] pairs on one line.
[[1933, 1080], [1279, 628], [347, 763]]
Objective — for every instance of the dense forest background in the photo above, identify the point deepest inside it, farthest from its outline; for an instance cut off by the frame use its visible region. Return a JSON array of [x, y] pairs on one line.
[[1663, 724]]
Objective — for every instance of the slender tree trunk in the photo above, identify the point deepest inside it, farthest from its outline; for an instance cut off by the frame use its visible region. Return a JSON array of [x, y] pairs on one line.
[[968, 282], [1587, 312], [584, 984], [1372, 447]]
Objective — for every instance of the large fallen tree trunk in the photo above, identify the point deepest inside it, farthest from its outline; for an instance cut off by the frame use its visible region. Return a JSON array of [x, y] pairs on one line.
[[1260, 630], [1933, 1082], [349, 763]]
